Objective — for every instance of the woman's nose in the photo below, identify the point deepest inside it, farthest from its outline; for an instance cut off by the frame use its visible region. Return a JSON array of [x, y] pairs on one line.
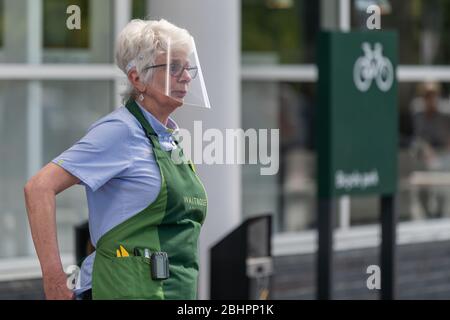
[[185, 76]]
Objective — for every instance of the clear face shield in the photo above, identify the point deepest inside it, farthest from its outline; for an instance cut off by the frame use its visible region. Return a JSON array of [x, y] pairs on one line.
[[176, 76]]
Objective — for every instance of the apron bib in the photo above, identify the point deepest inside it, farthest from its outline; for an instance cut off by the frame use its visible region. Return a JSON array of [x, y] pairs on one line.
[[170, 224]]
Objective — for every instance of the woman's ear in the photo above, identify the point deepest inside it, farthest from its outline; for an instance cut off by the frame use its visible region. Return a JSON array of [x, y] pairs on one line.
[[134, 79]]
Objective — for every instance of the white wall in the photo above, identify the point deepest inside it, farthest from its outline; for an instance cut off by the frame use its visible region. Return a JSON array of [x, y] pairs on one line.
[[215, 25]]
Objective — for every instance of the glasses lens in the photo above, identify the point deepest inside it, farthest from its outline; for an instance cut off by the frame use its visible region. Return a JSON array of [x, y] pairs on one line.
[[175, 69], [192, 71]]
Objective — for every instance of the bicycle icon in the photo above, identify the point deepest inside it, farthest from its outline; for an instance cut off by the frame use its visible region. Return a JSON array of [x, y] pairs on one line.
[[373, 65]]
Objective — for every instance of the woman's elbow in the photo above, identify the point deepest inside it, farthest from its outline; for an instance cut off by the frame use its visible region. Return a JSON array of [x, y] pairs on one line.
[[33, 186], [28, 188]]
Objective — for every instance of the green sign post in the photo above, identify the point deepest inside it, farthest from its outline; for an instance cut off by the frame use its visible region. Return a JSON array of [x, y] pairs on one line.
[[357, 136]]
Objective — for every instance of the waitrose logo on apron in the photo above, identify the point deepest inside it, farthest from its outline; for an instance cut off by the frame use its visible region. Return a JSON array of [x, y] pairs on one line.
[[193, 202]]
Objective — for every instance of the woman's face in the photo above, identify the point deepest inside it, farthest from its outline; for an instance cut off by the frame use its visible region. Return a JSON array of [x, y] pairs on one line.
[[179, 77]]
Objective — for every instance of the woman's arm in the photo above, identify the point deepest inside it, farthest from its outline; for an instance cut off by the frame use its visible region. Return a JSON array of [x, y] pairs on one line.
[[40, 194]]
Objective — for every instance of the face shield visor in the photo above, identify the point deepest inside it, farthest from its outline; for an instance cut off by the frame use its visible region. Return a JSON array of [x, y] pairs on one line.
[[176, 75]]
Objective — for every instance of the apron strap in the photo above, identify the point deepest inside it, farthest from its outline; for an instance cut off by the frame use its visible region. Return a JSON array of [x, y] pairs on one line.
[[149, 132]]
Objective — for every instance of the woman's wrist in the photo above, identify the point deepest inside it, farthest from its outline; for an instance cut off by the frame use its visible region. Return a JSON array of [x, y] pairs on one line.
[[52, 270]]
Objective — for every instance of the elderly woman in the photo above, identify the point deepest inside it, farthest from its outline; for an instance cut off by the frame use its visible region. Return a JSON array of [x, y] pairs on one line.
[[145, 209]]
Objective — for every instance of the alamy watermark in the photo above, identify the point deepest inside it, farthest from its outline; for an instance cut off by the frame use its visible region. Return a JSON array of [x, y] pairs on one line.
[[234, 146], [374, 20], [374, 280], [73, 273], [73, 22]]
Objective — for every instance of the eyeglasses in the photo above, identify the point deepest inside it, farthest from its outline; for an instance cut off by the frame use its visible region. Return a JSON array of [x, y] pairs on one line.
[[176, 69]]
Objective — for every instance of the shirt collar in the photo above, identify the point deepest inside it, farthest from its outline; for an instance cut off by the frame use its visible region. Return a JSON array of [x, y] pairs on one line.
[[160, 129]]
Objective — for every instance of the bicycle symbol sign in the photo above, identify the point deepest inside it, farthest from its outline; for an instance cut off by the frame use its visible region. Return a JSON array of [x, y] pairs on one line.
[[373, 66]]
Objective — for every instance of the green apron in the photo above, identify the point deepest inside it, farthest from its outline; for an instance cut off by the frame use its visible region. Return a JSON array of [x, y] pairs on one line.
[[170, 224]]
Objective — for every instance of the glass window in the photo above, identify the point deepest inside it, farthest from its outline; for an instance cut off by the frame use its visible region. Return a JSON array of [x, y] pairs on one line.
[[62, 114], [297, 105], [139, 9], [93, 43], [13, 169], [1, 23], [13, 31], [423, 155], [66, 115], [423, 27], [425, 152], [56, 34], [279, 31], [424, 110], [290, 194]]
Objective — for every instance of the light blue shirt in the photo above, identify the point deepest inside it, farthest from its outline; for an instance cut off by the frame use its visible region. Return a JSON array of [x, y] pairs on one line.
[[116, 164]]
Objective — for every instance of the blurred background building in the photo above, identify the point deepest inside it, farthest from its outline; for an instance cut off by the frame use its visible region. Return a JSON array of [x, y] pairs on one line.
[[259, 59]]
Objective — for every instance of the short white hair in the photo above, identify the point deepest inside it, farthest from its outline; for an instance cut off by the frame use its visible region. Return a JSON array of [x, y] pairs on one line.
[[141, 41]]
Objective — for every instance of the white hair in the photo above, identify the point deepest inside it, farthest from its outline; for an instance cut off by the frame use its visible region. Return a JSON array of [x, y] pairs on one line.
[[139, 43]]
